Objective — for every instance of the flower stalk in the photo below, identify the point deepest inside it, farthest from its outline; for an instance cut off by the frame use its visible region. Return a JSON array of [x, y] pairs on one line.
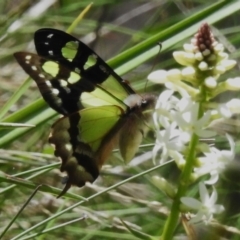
[[182, 122]]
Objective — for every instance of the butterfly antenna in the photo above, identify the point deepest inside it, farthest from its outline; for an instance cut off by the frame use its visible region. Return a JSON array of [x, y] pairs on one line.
[[154, 63]]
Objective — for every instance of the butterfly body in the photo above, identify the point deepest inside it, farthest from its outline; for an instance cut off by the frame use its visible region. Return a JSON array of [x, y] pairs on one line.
[[100, 110]]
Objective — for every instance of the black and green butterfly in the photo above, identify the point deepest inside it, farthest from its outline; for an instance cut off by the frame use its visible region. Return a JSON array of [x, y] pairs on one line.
[[100, 110]]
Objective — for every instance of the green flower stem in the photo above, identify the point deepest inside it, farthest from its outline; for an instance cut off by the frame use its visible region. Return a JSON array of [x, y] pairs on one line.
[[172, 220], [173, 217]]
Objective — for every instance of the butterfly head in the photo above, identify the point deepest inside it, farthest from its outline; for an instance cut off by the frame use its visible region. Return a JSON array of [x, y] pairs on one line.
[[135, 101]]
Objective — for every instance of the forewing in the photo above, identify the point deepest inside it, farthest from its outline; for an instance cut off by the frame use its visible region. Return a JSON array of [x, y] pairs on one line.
[[60, 87], [64, 90], [72, 53]]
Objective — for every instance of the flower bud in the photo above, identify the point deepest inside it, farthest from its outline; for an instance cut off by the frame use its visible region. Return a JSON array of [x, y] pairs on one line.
[[188, 47], [219, 69], [233, 84], [189, 73], [159, 76], [210, 82], [203, 66], [164, 186], [184, 58], [228, 64], [174, 75]]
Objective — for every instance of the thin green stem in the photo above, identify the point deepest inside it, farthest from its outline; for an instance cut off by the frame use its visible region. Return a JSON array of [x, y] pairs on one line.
[[172, 220]]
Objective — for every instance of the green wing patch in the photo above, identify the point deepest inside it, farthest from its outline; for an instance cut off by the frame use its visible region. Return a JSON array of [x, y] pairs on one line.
[[84, 140]]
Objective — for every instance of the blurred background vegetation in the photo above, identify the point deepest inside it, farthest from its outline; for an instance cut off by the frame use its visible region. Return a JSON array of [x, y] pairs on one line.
[[127, 32]]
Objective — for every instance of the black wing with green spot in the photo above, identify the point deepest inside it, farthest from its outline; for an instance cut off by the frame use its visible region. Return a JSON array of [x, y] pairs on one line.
[[66, 68], [53, 82], [72, 53]]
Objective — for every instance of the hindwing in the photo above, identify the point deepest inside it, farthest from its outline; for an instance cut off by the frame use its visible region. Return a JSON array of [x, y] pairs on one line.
[[84, 140]]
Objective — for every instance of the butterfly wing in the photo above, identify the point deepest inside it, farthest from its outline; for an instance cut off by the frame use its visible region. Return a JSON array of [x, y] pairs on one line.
[[64, 90], [84, 140], [70, 76], [72, 53], [54, 82]]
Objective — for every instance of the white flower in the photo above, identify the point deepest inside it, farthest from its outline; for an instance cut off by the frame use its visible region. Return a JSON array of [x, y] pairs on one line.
[[182, 90], [165, 104], [206, 207], [168, 142], [216, 161], [188, 121]]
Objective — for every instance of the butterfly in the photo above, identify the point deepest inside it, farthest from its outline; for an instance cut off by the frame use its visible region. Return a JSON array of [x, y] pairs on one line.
[[100, 110]]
